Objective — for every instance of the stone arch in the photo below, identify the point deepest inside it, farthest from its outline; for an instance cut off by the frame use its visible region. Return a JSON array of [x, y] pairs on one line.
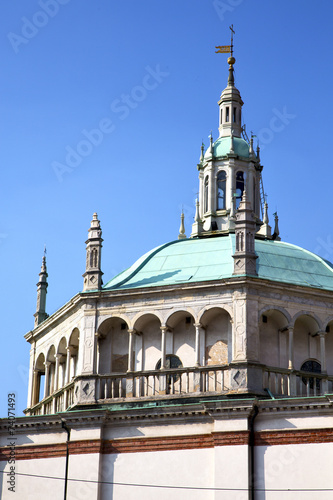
[[274, 336], [306, 339], [276, 308], [224, 307], [180, 337], [122, 317], [147, 341], [216, 341], [113, 345], [311, 315], [139, 318]]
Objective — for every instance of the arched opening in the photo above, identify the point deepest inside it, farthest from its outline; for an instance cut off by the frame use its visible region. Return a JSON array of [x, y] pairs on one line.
[[217, 337], [147, 342], [181, 337], [221, 190], [73, 354], [240, 184], [113, 346], [39, 380], [306, 340], [273, 339]]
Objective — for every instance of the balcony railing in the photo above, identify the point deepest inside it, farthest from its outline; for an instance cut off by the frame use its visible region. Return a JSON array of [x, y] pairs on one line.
[[282, 382], [176, 381], [59, 401], [180, 382]]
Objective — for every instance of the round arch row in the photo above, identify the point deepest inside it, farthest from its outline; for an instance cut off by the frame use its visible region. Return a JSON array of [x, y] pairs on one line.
[[148, 340], [290, 342], [55, 367]]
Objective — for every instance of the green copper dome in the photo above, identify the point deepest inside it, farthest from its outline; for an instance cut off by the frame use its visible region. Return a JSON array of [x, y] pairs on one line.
[[207, 259], [222, 147]]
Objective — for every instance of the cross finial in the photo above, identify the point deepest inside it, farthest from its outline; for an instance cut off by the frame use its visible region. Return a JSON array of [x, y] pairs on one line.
[[232, 39]]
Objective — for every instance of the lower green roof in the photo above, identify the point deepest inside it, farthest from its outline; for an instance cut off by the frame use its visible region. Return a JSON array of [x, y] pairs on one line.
[[207, 259]]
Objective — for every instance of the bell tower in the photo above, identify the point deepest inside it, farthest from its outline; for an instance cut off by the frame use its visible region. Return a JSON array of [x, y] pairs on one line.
[[228, 167]]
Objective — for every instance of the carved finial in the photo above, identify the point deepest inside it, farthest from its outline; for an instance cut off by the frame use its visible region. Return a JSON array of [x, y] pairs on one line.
[[265, 219], [202, 152], [276, 234], [197, 216], [211, 148], [40, 314], [93, 275], [182, 234]]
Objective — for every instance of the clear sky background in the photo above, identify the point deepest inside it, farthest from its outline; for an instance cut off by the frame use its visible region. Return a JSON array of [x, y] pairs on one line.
[[67, 65]]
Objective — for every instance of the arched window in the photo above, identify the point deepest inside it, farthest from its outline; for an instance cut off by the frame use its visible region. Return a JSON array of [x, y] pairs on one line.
[[206, 194], [171, 361], [240, 182], [221, 181], [312, 366]]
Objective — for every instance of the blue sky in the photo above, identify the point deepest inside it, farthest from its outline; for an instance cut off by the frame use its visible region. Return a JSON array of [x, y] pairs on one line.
[[145, 74]]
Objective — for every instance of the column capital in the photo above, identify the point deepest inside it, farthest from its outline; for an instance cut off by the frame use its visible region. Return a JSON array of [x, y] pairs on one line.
[[198, 325], [322, 334], [47, 364]]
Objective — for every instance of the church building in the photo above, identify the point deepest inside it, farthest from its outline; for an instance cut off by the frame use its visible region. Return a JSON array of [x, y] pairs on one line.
[[204, 371]]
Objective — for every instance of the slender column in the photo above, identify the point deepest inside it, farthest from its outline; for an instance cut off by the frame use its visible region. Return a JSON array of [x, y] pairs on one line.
[[322, 336], [56, 374], [68, 363], [130, 349], [210, 190], [163, 347], [291, 349], [35, 391], [232, 190], [46, 381], [197, 343]]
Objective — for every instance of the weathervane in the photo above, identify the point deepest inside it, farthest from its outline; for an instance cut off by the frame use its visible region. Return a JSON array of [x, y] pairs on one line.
[[226, 49]]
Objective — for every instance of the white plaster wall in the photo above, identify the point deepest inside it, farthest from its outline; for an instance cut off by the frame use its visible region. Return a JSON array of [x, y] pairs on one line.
[[36, 488], [83, 468], [166, 468], [231, 472], [294, 467]]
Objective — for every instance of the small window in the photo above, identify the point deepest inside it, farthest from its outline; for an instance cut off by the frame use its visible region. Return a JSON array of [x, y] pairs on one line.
[[221, 183], [206, 194], [239, 188], [221, 117], [227, 114], [234, 116], [171, 361], [314, 367]]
